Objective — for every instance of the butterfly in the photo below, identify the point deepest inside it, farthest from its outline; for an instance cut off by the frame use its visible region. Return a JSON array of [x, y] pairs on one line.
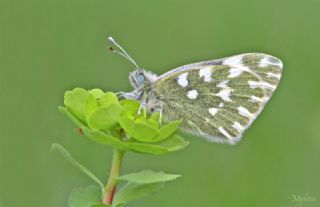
[[217, 99]]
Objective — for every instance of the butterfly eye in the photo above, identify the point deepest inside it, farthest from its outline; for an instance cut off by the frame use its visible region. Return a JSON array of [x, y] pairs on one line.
[[137, 78], [140, 79]]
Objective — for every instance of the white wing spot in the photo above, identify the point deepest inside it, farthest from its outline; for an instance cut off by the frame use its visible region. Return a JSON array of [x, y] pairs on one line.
[[236, 64], [225, 133], [193, 94], [235, 60], [182, 79], [264, 62], [236, 71], [261, 84], [269, 74], [223, 84], [280, 64], [238, 126], [206, 73], [255, 99], [225, 94], [244, 112], [213, 111]]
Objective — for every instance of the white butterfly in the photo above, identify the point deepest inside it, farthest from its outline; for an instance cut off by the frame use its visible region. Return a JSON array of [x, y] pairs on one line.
[[217, 99]]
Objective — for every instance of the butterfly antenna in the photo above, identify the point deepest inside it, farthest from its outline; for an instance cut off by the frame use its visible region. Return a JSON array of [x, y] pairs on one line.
[[122, 52]]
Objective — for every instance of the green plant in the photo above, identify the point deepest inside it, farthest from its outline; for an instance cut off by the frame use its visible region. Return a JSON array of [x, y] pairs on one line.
[[106, 120]]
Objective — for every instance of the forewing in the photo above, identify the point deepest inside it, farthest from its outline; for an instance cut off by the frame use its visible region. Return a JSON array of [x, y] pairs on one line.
[[219, 99]]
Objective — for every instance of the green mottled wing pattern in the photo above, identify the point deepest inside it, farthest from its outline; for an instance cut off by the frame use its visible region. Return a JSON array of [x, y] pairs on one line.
[[219, 99]]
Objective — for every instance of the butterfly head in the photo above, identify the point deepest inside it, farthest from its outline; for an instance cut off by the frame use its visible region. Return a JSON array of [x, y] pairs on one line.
[[138, 78]]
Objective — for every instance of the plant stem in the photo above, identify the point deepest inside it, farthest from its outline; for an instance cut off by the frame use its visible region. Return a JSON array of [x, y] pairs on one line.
[[115, 172]]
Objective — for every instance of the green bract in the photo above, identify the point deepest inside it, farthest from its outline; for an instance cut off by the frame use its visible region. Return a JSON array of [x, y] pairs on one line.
[[139, 185], [88, 197], [106, 120]]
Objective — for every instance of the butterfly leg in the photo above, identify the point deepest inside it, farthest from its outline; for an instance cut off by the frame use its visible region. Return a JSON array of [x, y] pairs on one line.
[[142, 106], [125, 95], [160, 116]]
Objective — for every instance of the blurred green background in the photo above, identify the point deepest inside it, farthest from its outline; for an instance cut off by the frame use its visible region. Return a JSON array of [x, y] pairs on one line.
[[48, 47]]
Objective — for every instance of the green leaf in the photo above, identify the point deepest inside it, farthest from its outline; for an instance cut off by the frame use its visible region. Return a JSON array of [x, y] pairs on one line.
[[75, 163], [147, 176], [129, 103], [154, 119], [175, 143], [170, 145], [168, 130], [130, 107], [108, 99], [97, 93], [74, 119], [132, 191], [87, 197], [75, 101], [145, 132], [97, 99], [147, 148], [127, 124], [103, 138], [140, 130], [106, 117], [140, 185], [91, 105]]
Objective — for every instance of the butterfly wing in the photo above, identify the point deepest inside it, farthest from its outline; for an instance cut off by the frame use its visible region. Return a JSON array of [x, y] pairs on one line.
[[219, 99]]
